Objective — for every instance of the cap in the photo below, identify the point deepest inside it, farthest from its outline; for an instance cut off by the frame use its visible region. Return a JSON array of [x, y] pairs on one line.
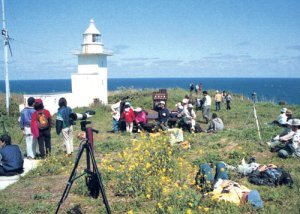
[[185, 101], [162, 102], [283, 110], [295, 122], [254, 199], [217, 91], [38, 100], [190, 106], [289, 112], [127, 104], [138, 109]]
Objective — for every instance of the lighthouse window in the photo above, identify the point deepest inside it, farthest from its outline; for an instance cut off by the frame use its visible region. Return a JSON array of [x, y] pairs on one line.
[[95, 38]]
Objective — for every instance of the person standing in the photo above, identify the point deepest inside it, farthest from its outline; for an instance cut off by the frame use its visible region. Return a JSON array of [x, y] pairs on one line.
[[228, 99], [196, 89], [11, 159], [41, 120], [25, 120], [128, 116], [200, 88], [116, 108], [63, 118], [218, 100], [206, 106]]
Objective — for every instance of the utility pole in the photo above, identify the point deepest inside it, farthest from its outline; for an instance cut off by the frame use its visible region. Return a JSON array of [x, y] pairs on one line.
[[6, 46]]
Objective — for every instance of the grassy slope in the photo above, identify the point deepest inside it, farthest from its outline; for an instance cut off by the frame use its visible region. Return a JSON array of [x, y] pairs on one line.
[[40, 190]]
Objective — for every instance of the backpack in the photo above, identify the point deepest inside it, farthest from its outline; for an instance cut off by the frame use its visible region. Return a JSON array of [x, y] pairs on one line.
[[42, 120], [205, 177], [198, 128], [271, 177]]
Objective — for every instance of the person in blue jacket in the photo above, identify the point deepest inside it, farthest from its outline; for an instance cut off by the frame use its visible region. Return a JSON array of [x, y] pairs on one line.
[[11, 158]]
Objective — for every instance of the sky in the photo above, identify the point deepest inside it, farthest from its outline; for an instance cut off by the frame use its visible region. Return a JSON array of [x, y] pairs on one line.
[[161, 38]]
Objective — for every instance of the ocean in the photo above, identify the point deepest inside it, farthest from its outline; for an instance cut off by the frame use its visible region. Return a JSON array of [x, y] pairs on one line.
[[267, 89]]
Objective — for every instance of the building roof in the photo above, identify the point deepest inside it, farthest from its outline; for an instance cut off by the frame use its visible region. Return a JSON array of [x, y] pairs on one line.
[[92, 29]]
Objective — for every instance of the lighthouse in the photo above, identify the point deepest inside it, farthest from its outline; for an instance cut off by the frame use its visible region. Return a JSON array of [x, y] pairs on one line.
[[89, 84]]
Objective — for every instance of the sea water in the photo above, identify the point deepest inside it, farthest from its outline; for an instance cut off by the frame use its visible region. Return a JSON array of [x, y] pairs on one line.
[[267, 89]]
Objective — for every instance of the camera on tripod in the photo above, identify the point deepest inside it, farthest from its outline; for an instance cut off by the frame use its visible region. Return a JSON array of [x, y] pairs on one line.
[[83, 117]]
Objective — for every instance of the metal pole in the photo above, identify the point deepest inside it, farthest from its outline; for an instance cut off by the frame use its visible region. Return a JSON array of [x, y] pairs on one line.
[[257, 124], [5, 40]]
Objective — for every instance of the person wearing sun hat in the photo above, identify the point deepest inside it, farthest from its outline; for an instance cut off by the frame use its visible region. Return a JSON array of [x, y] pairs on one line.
[[188, 118], [292, 149], [282, 138], [140, 118], [128, 116]]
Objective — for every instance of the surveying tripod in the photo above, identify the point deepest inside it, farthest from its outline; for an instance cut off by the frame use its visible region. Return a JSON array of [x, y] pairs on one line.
[[87, 146]]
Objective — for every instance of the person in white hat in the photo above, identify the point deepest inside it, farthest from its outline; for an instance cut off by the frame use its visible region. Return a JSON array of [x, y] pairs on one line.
[[282, 118], [163, 116], [282, 138], [188, 118], [292, 149], [140, 118]]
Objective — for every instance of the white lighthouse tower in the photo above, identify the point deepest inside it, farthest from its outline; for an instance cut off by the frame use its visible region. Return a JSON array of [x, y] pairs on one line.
[[89, 85]]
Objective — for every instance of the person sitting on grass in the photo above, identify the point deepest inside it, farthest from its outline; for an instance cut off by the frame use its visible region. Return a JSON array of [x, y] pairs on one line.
[[163, 116], [282, 138], [11, 159], [140, 118], [216, 124], [188, 118], [282, 118], [292, 149]]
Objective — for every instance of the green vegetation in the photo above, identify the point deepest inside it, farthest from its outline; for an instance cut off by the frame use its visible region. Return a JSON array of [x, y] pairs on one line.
[[143, 174]]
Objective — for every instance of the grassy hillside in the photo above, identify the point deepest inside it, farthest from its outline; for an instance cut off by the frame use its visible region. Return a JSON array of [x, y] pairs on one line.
[[143, 174]]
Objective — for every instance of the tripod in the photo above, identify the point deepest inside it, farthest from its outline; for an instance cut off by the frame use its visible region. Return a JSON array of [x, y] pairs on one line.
[[88, 146], [257, 123]]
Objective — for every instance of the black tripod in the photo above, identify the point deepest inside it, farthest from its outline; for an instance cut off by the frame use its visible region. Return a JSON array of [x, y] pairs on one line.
[[88, 145]]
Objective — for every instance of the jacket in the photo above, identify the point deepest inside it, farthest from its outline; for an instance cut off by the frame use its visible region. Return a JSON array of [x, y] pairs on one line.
[[11, 158], [26, 115]]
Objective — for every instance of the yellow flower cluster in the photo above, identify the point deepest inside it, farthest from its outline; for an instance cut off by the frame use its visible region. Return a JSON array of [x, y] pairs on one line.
[[152, 169]]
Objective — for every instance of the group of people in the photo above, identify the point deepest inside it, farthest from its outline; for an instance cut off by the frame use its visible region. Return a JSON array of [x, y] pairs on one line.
[[197, 88], [287, 143], [184, 116], [36, 123]]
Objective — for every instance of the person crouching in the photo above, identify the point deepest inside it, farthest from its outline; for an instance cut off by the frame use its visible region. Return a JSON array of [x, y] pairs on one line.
[[11, 159]]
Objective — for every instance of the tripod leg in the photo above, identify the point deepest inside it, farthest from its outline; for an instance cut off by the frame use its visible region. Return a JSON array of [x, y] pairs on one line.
[[105, 201], [71, 179]]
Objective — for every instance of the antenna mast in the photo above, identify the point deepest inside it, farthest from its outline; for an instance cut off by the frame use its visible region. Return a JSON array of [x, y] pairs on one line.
[[6, 45]]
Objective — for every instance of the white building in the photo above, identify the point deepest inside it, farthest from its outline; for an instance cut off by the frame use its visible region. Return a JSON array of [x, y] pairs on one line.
[[89, 84]]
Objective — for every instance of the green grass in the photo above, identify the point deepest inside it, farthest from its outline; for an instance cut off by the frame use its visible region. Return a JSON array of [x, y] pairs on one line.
[[41, 189]]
